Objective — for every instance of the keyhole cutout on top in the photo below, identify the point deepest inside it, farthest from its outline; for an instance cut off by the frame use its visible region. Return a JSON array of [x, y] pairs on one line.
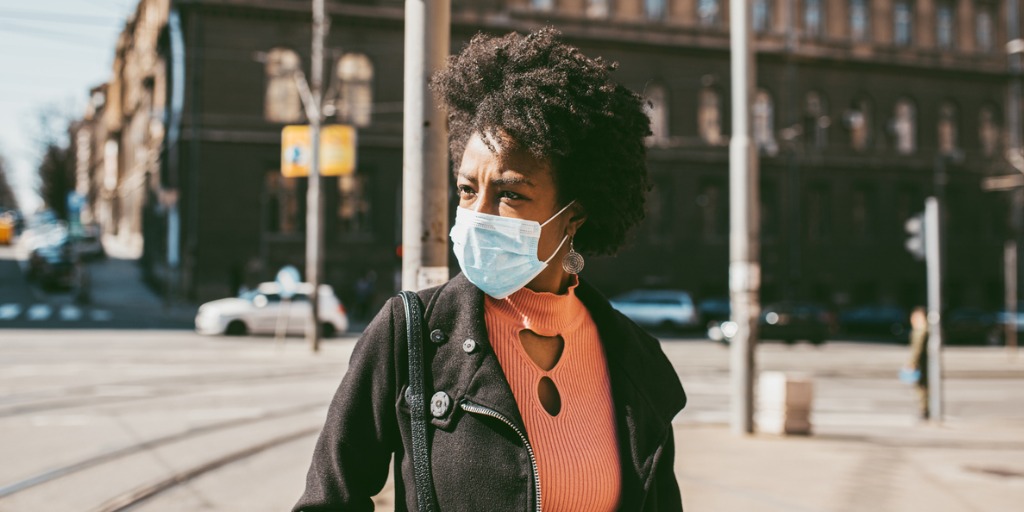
[[545, 352]]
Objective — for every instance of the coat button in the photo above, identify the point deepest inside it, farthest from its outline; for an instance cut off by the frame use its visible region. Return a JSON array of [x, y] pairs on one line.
[[438, 337], [439, 404], [469, 346]]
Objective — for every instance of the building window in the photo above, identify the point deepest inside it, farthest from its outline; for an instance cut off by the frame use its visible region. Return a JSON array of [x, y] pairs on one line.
[[283, 213], [762, 16], [282, 103], [904, 127], [713, 209], [708, 12], [945, 33], [903, 21], [859, 20], [709, 116], [863, 211], [947, 129], [816, 121], [813, 18], [353, 204], [763, 118], [818, 213], [858, 120], [657, 110], [354, 74], [598, 8], [988, 131], [542, 5], [654, 9], [983, 28]]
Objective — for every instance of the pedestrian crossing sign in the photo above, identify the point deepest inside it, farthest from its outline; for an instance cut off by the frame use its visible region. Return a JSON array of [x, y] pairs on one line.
[[337, 150]]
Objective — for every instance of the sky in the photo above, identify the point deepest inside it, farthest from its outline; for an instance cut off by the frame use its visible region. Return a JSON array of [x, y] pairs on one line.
[[51, 53]]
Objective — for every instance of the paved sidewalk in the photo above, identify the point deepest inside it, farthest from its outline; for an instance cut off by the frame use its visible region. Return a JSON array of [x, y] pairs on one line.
[[958, 467]]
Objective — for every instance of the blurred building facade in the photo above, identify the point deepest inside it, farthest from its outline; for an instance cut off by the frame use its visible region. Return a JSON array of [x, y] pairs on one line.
[[861, 103]]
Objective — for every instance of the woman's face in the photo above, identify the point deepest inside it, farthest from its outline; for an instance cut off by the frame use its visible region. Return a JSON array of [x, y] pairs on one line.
[[510, 182]]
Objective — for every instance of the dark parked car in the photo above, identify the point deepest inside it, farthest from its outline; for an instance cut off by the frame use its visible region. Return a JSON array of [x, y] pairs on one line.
[[876, 321], [970, 326], [789, 321], [53, 264], [714, 310]]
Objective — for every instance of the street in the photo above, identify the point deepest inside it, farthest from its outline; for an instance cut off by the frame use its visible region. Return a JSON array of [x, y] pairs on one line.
[[169, 420], [117, 404]]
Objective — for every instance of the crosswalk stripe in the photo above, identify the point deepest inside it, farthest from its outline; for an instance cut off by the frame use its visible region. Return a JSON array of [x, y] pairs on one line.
[[39, 312], [10, 311], [70, 313]]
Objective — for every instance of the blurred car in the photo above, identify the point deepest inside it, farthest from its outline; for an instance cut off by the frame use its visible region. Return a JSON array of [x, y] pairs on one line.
[[789, 321], [1002, 318], [714, 310], [888, 322], [970, 326], [260, 311], [7, 228], [663, 309], [87, 242], [52, 264]]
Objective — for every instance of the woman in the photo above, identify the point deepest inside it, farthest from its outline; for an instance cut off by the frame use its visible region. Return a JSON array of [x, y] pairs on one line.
[[550, 399]]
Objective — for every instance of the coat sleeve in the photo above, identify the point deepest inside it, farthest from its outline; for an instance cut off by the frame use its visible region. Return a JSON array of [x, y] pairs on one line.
[[351, 458], [665, 495]]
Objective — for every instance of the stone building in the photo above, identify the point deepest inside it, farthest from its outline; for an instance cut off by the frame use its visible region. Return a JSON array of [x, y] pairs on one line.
[[860, 104]]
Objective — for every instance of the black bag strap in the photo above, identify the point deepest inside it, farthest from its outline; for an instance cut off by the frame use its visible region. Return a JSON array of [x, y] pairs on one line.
[[417, 405]]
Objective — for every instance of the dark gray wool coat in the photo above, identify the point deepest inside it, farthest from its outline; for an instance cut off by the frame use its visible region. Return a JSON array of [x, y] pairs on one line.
[[480, 463]]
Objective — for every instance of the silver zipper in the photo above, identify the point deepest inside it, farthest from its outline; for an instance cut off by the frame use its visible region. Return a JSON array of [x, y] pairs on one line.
[[479, 409]]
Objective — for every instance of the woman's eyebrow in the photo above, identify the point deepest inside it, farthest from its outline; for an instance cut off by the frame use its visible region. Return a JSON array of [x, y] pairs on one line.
[[512, 180]]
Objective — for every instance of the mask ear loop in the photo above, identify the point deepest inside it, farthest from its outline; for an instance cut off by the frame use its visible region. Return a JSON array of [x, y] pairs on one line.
[[564, 238]]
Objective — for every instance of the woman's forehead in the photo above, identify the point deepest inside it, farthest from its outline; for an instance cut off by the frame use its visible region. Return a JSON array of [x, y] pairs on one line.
[[502, 158]]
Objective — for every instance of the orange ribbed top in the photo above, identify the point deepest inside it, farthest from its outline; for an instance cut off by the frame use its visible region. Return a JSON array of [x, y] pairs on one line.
[[577, 449]]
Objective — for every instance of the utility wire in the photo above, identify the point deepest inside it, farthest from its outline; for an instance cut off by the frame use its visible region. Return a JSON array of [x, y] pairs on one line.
[[57, 17], [49, 35]]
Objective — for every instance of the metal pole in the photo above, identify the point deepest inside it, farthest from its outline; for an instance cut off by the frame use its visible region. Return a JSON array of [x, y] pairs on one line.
[[1010, 274], [425, 149], [933, 259], [744, 267], [314, 208]]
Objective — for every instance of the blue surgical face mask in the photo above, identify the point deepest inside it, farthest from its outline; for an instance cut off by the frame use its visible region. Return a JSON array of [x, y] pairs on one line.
[[499, 254]]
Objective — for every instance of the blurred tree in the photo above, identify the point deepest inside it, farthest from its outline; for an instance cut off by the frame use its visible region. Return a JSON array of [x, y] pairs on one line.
[[56, 178], [7, 197]]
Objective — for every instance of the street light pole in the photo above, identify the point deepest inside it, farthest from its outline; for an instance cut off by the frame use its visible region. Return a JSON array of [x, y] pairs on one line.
[[314, 206], [744, 206], [425, 148]]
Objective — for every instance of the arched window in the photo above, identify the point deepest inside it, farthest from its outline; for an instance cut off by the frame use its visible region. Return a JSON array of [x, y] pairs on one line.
[[860, 20], [542, 5], [816, 120], [654, 9], [947, 128], [657, 110], [763, 118], [814, 18], [709, 116], [988, 130], [354, 104], [762, 15], [983, 27], [903, 22], [598, 8], [282, 103], [904, 127], [859, 118], [708, 12], [945, 29]]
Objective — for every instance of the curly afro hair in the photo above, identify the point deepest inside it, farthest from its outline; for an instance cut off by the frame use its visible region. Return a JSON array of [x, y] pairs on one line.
[[562, 107]]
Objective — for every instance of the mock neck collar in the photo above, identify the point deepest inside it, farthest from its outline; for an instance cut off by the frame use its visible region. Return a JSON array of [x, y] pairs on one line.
[[545, 313]]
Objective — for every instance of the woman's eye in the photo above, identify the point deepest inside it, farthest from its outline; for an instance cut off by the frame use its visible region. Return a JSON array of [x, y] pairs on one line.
[[465, 191], [511, 196]]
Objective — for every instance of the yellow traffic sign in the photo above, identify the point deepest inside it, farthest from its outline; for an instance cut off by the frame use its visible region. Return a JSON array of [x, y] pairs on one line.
[[337, 150]]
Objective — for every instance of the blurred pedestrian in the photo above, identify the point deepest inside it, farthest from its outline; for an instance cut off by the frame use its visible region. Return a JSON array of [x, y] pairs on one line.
[[916, 369], [540, 394]]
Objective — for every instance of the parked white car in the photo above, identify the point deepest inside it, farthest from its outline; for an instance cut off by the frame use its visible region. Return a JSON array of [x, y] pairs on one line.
[[665, 309], [264, 311]]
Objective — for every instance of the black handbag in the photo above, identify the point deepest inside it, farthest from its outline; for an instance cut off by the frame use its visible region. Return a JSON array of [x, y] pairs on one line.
[[425, 499]]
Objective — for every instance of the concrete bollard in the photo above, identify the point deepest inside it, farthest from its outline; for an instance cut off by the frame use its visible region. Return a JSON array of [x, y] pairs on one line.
[[784, 403]]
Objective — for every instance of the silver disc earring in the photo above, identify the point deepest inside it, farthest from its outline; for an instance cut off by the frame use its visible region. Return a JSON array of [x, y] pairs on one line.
[[573, 261]]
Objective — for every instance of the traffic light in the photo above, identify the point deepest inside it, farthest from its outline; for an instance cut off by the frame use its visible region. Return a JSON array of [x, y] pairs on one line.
[[915, 241]]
